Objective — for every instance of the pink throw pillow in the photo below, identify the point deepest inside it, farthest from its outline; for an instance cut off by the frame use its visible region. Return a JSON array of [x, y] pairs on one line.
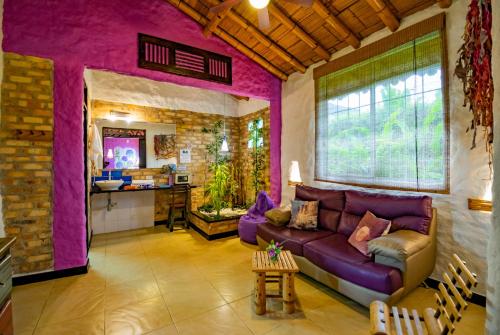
[[369, 227]]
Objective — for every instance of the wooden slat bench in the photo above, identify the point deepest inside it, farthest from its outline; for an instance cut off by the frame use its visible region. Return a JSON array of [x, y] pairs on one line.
[[451, 302]]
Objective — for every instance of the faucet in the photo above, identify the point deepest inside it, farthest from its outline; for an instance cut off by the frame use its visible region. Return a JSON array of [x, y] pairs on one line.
[[110, 204]]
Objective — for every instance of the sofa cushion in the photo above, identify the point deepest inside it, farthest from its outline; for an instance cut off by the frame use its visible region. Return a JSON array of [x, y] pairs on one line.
[[278, 216], [399, 245], [331, 204], [335, 255], [369, 227], [409, 212], [294, 239], [348, 223], [415, 223], [304, 215]]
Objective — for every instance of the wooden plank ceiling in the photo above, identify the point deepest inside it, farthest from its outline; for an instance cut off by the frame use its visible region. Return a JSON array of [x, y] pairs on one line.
[[300, 36]]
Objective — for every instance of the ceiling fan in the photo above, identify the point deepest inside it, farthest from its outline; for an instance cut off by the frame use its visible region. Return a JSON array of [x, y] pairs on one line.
[[260, 5]]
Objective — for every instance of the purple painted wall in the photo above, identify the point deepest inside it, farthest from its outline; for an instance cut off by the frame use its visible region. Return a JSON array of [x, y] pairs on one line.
[[103, 35]]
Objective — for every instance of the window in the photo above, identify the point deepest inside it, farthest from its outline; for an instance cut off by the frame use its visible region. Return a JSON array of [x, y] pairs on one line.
[[382, 122], [255, 133]]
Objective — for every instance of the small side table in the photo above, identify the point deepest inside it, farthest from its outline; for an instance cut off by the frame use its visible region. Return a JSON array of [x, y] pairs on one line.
[[286, 268]]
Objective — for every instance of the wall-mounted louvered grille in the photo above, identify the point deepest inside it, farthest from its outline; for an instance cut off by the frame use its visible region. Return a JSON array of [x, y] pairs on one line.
[[167, 56]]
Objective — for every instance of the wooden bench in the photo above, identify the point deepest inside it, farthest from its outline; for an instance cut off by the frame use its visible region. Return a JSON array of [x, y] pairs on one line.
[[451, 302]]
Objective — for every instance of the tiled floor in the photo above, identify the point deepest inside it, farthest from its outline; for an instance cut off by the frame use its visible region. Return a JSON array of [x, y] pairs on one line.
[[154, 282]]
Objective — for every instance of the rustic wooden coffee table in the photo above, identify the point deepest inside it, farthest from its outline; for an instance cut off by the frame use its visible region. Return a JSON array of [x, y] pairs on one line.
[[285, 267]]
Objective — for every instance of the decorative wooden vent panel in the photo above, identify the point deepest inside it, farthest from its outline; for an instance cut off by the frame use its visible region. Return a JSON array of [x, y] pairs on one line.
[[167, 56]]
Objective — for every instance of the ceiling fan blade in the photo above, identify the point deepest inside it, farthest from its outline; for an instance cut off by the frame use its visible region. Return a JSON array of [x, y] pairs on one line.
[[303, 3], [263, 16], [223, 6]]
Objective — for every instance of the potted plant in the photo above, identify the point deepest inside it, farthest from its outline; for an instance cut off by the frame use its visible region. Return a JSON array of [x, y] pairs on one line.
[[217, 187]]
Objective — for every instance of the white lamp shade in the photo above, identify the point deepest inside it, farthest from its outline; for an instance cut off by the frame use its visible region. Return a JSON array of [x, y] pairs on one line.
[[109, 155], [294, 173], [224, 147], [259, 4]]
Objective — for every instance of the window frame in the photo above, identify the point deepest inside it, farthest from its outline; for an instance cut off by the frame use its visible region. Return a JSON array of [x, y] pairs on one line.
[[436, 23]]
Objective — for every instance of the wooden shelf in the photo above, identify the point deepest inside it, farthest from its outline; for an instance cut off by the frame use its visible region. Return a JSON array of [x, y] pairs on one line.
[[480, 205]]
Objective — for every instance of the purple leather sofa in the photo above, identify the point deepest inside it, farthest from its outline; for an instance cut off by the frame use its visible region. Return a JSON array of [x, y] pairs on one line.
[[400, 261]]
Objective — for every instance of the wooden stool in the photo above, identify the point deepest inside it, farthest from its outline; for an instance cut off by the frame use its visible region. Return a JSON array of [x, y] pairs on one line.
[[450, 304], [286, 268], [179, 199]]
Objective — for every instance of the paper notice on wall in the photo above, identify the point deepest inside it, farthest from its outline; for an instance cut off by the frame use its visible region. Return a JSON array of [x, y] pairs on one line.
[[185, 156]]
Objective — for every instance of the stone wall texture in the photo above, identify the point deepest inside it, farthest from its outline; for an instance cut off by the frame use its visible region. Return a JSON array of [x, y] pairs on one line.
[[459, 229], [189, 134], [26, 163]]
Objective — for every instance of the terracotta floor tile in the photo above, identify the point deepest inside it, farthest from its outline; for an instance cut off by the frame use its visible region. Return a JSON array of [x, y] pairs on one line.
[[221, 320], [129, 292], [25, 316], [138, 318], [90, 325], [168, 330], [150, 281], [68, 303]]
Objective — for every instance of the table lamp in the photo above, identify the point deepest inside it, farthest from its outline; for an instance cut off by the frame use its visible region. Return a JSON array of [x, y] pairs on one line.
[[294, 174]]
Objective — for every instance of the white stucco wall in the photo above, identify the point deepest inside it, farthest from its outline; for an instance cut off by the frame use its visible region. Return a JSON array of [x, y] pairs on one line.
[[493, 290], [115, 87], [251, 106], [459, 230]]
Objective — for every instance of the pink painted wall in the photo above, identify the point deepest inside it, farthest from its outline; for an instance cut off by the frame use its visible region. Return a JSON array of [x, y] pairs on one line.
[[103, 35]]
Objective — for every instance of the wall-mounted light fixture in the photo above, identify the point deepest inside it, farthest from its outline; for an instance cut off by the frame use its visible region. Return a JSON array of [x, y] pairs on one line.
[[117, 115]]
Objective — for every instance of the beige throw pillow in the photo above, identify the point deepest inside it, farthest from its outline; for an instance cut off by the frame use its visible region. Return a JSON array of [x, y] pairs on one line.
[[304, 215], [278, 216]]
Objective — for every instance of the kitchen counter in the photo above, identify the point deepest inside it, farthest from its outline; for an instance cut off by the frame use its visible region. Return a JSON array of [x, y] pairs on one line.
[[97, 190]]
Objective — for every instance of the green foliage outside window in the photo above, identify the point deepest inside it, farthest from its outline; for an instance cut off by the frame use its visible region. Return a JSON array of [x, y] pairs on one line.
[[256, 144]]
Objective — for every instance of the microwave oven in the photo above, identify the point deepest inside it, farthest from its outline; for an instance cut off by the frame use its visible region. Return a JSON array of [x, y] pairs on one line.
[[182, 178]]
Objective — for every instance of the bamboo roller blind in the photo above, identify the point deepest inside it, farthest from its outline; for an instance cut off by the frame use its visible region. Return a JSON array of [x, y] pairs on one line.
[[381, 113]]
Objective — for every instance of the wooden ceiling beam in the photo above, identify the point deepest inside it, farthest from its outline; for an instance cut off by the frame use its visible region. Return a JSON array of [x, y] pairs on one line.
[[263, 39], [215, 19], [345, 33], [298, 31], [240, 97], [190, 11], [444, 3], [384, 13]]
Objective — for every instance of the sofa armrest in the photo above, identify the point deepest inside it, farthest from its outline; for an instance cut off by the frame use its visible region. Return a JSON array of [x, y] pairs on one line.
[[395, 248]]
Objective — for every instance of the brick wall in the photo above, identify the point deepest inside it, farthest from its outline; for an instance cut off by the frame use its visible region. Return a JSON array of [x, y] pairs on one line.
[[247, 191], [25, 162]]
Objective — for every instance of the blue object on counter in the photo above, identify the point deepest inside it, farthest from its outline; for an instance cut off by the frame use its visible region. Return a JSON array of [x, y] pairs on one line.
[[165, 186], [115, 174]]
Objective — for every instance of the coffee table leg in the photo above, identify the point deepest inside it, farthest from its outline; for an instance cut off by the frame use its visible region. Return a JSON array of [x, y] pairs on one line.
[[288, 293], [260, 293]]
